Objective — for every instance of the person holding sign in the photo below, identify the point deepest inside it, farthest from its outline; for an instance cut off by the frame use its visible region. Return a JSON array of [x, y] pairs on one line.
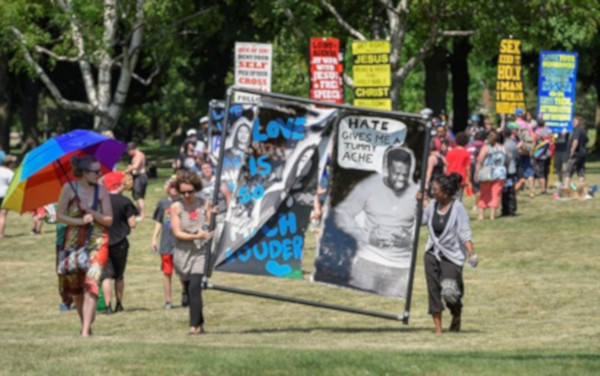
[[384, 241]]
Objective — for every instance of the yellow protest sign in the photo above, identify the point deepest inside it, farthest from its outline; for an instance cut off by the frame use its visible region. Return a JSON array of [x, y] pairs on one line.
[[509, 84], [372, 74]]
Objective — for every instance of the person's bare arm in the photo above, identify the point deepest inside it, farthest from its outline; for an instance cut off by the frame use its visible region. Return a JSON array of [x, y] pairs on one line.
[[136, 161], [154, 242], [104, 217], [131, 221], [177, 230], [226, 194]]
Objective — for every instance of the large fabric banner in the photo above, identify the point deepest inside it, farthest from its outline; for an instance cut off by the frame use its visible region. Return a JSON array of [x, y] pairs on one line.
[[369, 219], [253, 66], [326, 69], [372, 74], [265, 225], [556, 89], [509, 84]]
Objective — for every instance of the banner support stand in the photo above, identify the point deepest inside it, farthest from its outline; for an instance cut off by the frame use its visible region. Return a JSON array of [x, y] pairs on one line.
[[217, 187], [427, 114], [290, 299]]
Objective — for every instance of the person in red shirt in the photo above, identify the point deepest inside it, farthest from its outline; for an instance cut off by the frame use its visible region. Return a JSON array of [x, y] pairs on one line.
[[459, 161]]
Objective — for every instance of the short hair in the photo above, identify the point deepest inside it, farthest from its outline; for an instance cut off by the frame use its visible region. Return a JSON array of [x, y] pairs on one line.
[[449, 184], [481, 136], [492, 138], [188, 177], [8, 160], [398, 155], [82, 163], [462, 139], [131, 145]]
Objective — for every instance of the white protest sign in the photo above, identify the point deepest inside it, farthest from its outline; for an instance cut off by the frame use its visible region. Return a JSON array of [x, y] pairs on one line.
[[252, 69], [363, 140]]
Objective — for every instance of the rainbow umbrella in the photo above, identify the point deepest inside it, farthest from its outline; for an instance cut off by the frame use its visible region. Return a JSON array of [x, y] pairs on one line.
[[45, 169]]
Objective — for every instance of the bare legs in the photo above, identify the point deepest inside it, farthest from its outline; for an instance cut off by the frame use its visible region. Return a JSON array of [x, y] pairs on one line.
[[437, 321], [482, 213], [107, 290], [3, 214], [86, 309], [167, 287], [141, 207]]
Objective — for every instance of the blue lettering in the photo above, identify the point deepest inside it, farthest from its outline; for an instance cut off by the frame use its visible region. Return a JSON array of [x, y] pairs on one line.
[[256, 135], [275, 249], [270, 232], [299, 130], [297, 242], [273, 128], [244, 195], [265, 251], [287, 249], [245, 253], [258, 192], [287, 223], [265, 166]]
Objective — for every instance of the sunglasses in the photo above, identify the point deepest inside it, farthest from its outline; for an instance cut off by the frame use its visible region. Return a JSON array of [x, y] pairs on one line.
[[185, 193], [94, 171]]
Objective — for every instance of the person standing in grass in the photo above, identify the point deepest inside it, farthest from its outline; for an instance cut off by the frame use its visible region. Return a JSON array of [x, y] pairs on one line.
[[459, 161], [493, 158], [189, 218], [448, 246], [6, 174], [84, 206], [124, 212], [162, 216]]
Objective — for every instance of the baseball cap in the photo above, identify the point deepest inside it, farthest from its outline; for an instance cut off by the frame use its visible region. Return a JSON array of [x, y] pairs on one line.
[[204, 119], [474, 118], [113, 180], [191, 132], [519, 111], [512, 125]]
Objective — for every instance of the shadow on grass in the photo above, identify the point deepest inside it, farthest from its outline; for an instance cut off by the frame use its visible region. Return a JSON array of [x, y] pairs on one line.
[[389, 329]]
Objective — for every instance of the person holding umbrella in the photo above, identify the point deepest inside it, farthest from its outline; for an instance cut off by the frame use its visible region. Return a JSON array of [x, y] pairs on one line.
[[84, 206]]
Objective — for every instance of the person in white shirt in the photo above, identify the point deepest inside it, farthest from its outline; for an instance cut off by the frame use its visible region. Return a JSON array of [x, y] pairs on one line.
[[6, 175]]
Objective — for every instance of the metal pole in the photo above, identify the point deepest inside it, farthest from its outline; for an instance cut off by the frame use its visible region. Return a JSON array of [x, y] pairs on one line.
[[331, 105], [426, 114], [304, 302], [217, 186]]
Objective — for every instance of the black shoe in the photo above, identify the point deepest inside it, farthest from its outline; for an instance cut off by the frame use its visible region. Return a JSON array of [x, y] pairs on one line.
[[108, 311], [185, 300], [455, 325], [118, 307]]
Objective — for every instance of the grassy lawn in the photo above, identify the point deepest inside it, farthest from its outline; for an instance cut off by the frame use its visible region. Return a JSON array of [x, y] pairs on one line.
[[529, 309]]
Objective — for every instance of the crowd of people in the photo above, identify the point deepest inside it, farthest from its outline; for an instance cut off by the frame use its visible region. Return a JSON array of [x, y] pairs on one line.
[[492, 163]]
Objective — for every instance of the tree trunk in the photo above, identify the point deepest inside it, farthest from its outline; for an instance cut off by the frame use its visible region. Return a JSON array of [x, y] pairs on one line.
[[5, 106], [596, 148], [436, 80], [460, 83], [29, 113]]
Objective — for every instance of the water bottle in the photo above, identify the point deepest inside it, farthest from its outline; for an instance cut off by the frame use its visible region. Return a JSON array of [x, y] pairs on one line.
[[472, 261]]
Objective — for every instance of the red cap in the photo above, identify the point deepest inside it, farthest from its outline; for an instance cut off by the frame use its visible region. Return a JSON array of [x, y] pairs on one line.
[[113, 180]]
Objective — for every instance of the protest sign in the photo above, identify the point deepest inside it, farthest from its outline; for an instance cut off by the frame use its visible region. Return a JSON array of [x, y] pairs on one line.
[[326, 70], [266, 222], [369, 222], [253, 65], [371, 72], [509, 84], [556, 89]]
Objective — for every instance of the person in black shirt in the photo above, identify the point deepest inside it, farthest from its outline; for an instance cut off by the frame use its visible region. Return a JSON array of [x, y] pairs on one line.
[[576, 149], [124, 213]]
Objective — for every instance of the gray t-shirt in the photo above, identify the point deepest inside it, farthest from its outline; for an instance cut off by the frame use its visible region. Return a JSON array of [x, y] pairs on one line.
[[162, 215], [512, 153], [206, 194]]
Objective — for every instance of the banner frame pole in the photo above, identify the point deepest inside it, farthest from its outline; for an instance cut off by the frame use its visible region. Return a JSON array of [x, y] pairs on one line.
[[426, 114], [217, 190], [307, 302]]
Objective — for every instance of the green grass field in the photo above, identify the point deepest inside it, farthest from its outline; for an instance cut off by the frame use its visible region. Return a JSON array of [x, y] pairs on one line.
[[530, 308]]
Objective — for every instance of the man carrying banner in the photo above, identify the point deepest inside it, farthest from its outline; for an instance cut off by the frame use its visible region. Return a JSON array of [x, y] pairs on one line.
[[382, 259]]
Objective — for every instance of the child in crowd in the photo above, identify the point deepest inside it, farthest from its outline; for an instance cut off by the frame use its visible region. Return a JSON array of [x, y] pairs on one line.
[[162, 216]]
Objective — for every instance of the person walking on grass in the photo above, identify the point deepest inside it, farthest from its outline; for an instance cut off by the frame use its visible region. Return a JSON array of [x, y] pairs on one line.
[[576, 150], [491, 174], [162, 216], [509, 196], [6, 174], [124, 213], [459, 161], [189, 218], [542, 155], [137, 169], [448, 247], [84, 206]]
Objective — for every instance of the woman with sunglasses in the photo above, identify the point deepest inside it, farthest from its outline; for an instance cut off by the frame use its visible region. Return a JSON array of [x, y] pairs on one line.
[[84, 206], [189, 218]]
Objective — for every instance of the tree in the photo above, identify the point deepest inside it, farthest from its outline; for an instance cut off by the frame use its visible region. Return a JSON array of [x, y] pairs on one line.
[[424, 19]]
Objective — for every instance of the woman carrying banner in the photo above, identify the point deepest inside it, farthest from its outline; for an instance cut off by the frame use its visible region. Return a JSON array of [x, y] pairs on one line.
[[448, 246], [84, 206], [189, 218]]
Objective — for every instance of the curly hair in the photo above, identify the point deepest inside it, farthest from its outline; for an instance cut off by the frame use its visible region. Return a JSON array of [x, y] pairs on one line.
[[188, 177], [449, 184]]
